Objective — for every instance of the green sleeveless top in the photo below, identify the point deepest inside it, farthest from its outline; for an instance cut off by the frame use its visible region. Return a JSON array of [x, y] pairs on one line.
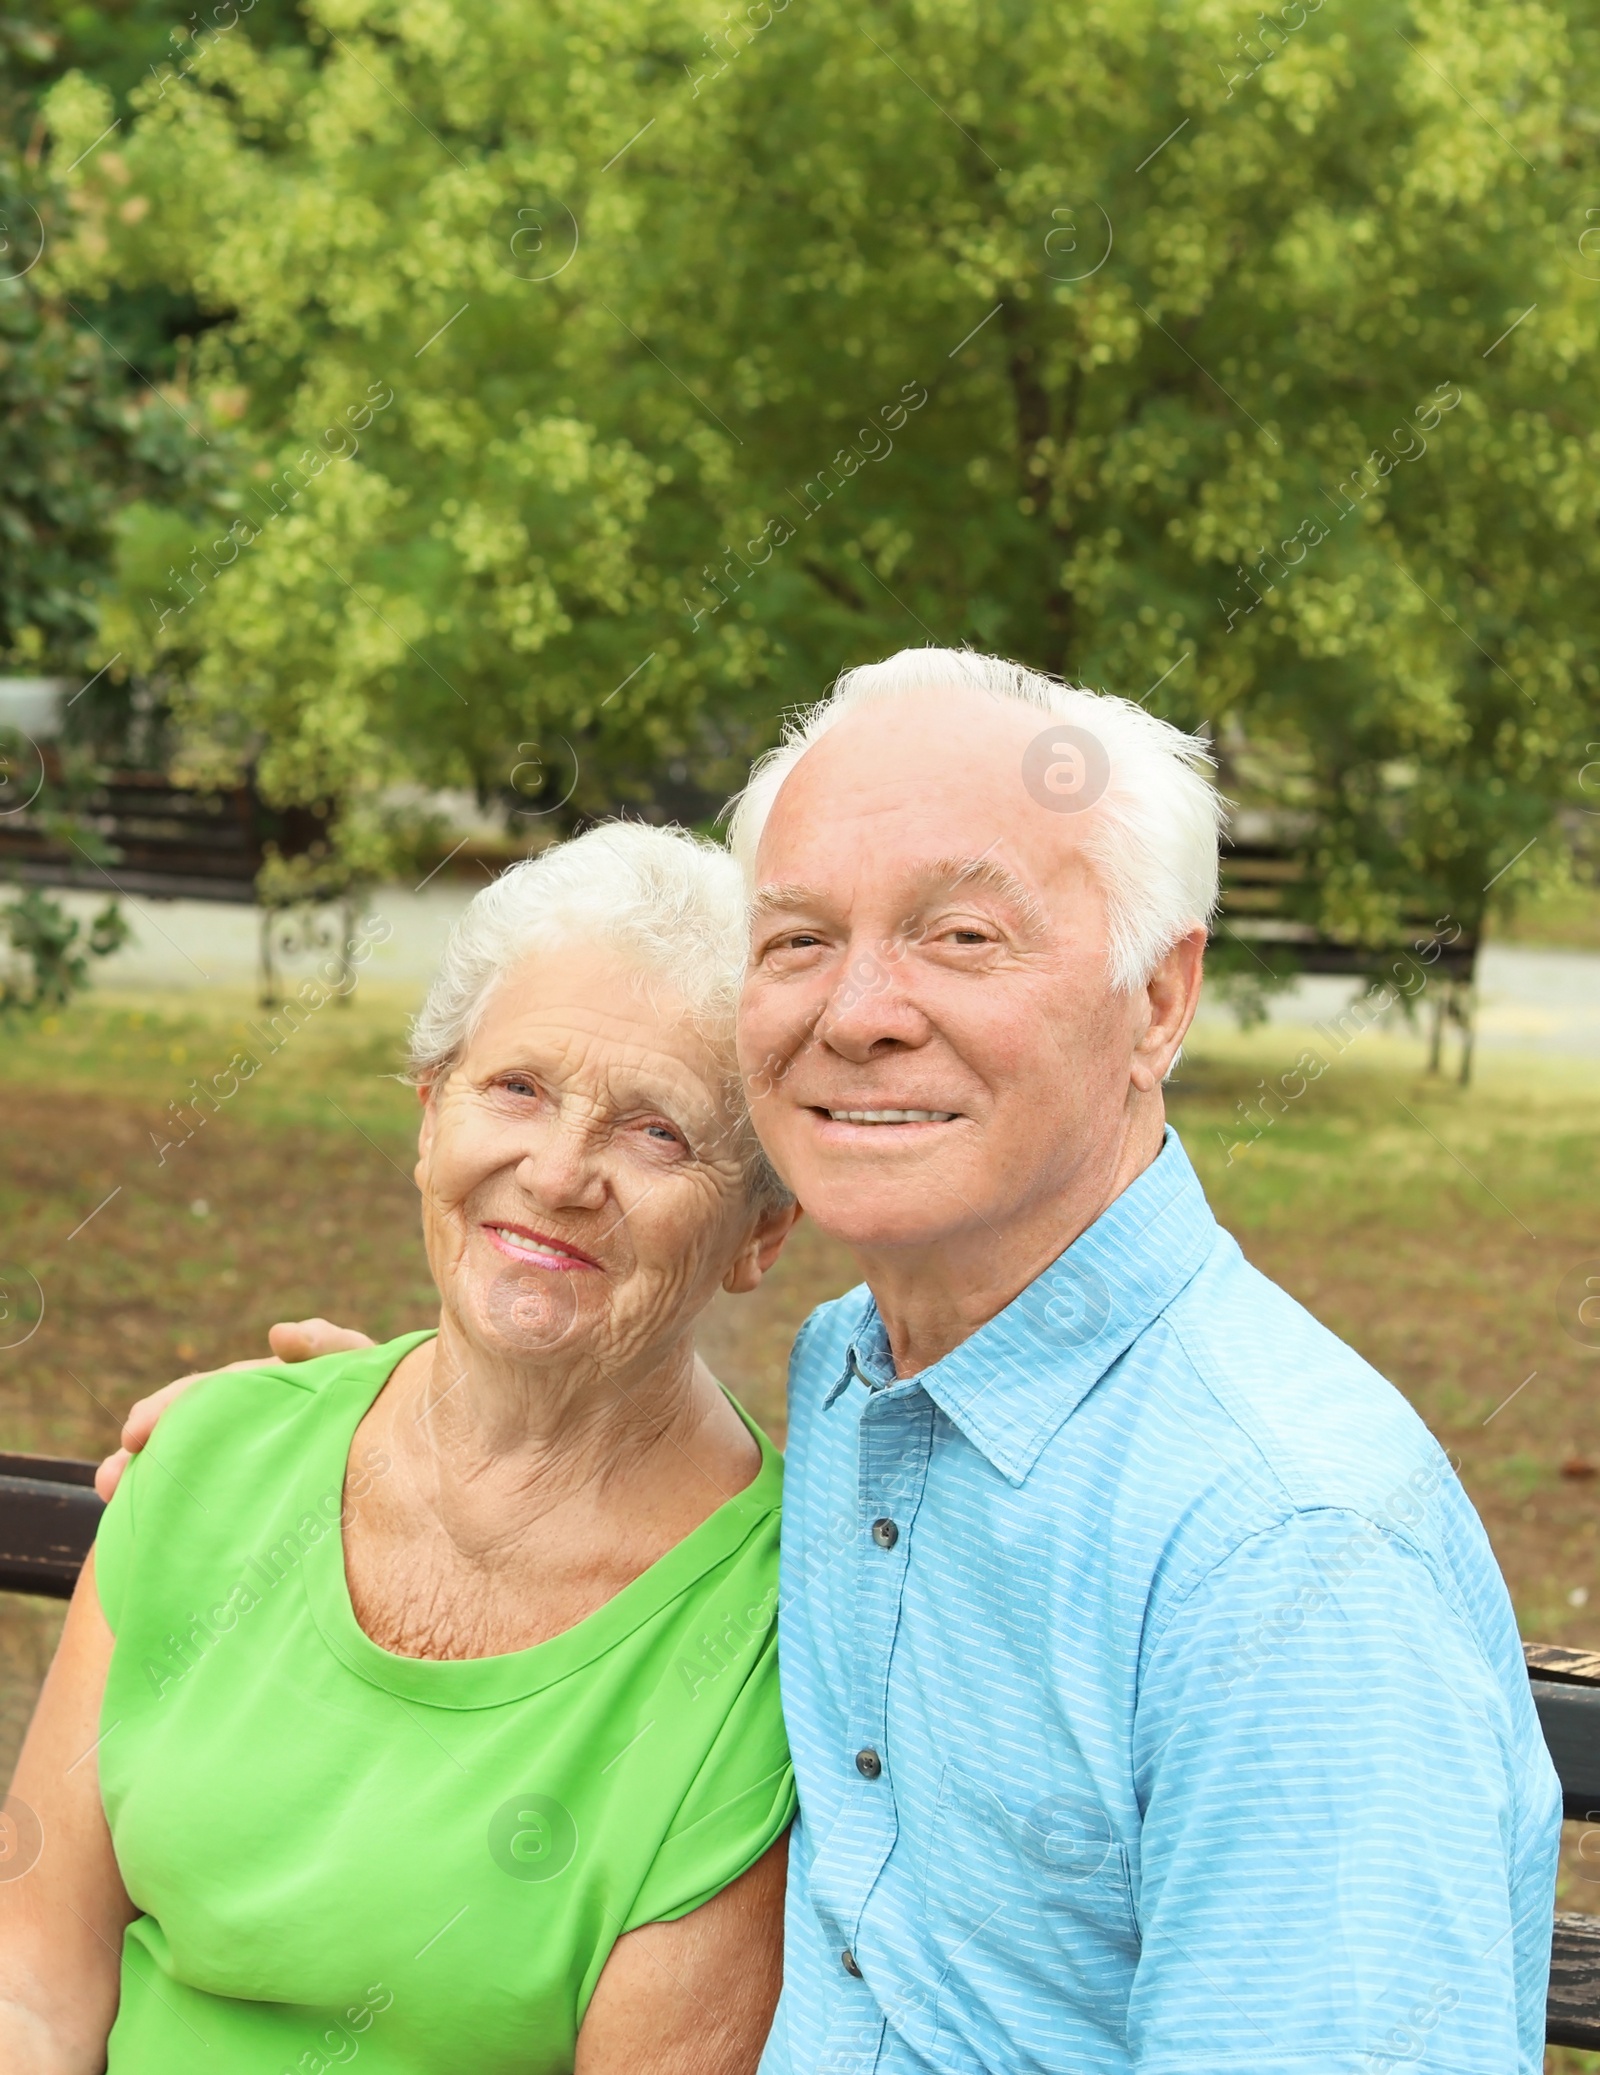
[[337, 1851]]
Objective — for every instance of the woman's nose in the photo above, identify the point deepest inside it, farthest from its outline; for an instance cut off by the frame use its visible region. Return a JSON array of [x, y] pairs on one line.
[[562, 1171]]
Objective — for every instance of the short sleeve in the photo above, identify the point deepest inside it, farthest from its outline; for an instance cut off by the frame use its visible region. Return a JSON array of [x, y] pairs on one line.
[[137, 1496], [113, 1546], [740, 1802], [1350, 1829]]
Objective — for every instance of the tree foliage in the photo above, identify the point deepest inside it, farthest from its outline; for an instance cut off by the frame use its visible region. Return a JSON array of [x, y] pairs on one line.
[[597, 381], [45, 953], [92, 404]]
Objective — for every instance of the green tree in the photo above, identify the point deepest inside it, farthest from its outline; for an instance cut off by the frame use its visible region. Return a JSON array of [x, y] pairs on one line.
[[1244, 364], [92, 403], [93, 414], [47, 952]]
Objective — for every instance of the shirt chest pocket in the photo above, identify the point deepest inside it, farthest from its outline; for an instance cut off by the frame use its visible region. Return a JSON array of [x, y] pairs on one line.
[[1031, 1907]]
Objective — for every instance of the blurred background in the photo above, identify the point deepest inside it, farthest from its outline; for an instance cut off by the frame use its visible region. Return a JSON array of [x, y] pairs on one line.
[[426, 428]]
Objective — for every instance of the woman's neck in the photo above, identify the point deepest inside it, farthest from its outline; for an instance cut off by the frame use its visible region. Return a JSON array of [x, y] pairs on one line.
[[520, 1502], [478, 1431], [478, 1400]]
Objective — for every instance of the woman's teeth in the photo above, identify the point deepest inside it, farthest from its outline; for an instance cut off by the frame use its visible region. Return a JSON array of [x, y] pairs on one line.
[[892, 1116], [525, 1245]]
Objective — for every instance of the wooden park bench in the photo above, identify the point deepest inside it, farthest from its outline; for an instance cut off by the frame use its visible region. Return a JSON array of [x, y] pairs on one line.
[[49, 1512], [176, 842], [1566, 1691], [1264, 884]]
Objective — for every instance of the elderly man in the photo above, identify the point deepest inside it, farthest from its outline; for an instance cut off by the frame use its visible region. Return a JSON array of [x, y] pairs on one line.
[[1154, 1697], [1155, 1700]]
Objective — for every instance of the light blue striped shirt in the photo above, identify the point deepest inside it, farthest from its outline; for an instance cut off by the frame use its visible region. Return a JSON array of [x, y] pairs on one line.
[[1155, 1698]]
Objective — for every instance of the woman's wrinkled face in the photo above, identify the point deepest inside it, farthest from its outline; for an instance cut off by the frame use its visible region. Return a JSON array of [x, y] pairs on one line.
[[580, 1170]]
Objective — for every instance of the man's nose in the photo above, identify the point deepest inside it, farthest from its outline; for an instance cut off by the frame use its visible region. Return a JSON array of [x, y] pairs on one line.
[[869, 1010]]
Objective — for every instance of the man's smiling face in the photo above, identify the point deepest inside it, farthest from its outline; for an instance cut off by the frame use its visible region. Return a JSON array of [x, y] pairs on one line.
[[929, 1036]]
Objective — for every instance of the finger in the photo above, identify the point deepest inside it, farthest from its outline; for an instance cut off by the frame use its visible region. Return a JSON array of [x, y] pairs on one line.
[[109, 1474], [143, 1414], [302, 1340], [140, 1423]]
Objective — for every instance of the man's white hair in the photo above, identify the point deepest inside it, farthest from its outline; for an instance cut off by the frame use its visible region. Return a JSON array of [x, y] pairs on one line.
[[1152, 836], [671, 901]]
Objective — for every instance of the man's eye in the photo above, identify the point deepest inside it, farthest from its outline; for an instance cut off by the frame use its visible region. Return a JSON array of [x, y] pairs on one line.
[[519, 1084], [969, 936]]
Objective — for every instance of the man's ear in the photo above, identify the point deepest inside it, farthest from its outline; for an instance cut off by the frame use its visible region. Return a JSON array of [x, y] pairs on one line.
[[1173, 994], [761, 1249]]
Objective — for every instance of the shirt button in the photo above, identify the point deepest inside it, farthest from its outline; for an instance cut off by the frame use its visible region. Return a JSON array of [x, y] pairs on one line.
[[868, 1763], [885, 1533], [847, 1960]]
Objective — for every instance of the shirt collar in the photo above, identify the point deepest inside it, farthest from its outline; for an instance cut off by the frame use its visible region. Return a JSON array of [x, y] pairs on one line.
[[1018, 1378]]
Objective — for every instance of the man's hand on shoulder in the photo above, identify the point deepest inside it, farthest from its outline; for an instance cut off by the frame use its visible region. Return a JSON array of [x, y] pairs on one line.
[[297, 1340], [303, 1339]]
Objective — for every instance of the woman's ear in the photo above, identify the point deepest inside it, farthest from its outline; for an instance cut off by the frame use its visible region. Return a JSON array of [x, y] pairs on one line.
[[425, 1095], [761, 1248]]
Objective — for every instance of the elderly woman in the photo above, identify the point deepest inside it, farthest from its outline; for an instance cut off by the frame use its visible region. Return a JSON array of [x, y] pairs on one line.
[[420, 1704]]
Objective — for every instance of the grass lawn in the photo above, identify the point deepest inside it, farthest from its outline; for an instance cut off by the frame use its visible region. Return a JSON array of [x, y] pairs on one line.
[[1430, 1226], [1567, 920]]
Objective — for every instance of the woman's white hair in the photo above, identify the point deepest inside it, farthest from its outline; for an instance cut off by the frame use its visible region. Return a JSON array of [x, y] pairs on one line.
[[669, 900], [1152, 836]]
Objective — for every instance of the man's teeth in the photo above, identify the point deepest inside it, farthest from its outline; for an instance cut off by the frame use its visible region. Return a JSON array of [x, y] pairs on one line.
[[892, 1116]]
